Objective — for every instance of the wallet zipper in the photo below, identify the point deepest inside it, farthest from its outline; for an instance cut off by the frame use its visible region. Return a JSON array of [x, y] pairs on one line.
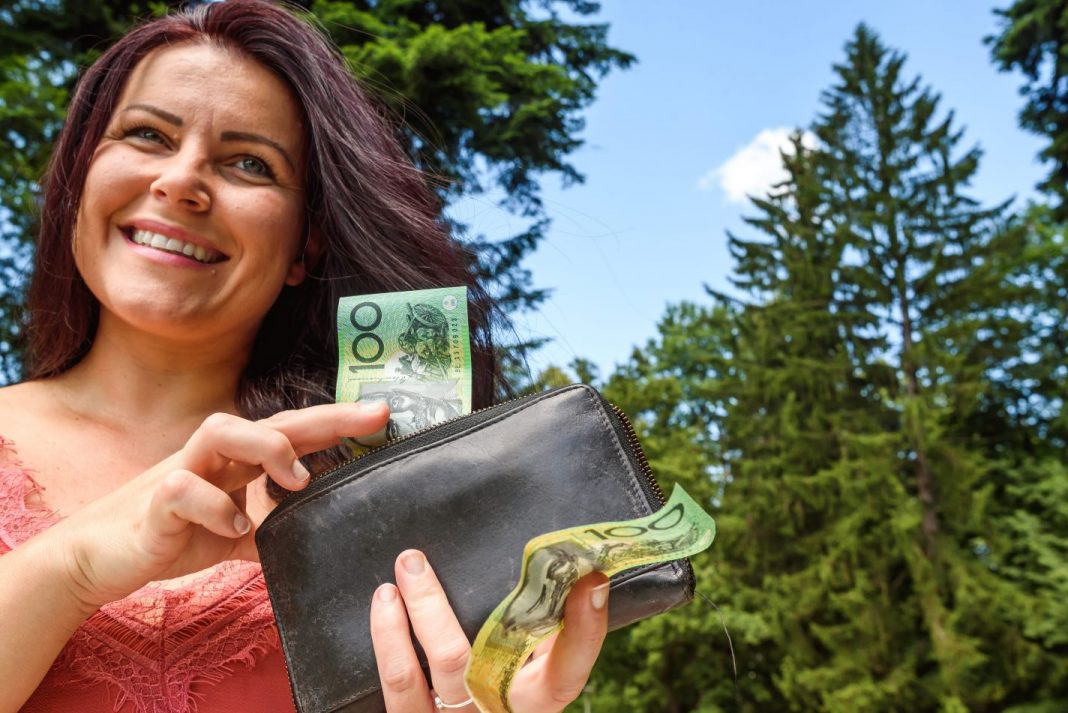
[[636, 450], [620, 424]]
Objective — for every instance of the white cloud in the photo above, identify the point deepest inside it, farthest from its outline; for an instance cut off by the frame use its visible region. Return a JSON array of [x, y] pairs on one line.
[[756, 167]]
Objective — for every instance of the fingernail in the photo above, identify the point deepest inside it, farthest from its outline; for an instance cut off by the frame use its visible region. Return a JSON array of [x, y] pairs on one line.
[[599, 596], [300, 471], [242, 524], [387, 592], [414, 562], [370, 406]]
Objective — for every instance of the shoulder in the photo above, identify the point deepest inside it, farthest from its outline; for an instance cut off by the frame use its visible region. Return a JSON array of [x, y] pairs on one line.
[[18, 397], [11, 400], [20, 407], [30, 430]]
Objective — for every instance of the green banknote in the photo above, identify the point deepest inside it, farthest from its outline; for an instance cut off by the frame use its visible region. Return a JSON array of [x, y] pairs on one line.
[[552, 563], [409, 349]]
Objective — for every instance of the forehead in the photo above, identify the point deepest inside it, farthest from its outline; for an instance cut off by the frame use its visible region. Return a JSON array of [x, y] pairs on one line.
[[201, 82]]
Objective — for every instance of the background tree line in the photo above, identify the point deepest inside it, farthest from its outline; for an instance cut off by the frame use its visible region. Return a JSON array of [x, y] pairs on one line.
[[875, 414]]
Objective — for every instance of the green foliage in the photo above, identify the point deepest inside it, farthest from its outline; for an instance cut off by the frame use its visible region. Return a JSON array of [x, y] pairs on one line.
[[27, 109], [489, 95], [1038, 391], [878, 426], [581, 371], [1034, 40], [499, 81], [680, 661], [37, 66]]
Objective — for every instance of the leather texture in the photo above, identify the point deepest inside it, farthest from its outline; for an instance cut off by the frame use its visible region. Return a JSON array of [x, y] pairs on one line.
[[470, 496]]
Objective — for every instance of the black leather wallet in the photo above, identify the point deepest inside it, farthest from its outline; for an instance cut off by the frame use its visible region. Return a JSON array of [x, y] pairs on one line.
[[469, 493]]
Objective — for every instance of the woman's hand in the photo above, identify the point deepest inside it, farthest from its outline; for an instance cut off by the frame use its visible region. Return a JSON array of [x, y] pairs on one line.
[[187, 512], [554, 677]]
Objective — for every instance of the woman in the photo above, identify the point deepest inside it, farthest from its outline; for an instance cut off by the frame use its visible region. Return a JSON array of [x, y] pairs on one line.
[[219, 182]]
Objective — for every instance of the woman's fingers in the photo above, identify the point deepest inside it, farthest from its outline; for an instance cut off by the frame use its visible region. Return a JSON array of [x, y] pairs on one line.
[[182, 498], [549, 684], [544, 646], [562, 672], [187, 512], [418, 600], [318, 427], [232, 451], [403, 685], [223, 438], [435, 626]]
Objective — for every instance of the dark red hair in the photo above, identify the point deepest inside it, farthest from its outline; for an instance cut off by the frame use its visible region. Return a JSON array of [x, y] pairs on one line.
[[379, 222]]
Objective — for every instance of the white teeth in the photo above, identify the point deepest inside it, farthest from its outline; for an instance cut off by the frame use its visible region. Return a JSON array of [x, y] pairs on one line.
[[171, 245]]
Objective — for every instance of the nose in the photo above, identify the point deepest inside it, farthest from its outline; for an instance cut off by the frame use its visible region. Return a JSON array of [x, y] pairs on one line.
[[181, 180]]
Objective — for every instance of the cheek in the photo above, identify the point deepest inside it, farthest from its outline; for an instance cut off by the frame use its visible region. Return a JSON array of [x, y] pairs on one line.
[[109, 185], [270, 222], [111, 181]]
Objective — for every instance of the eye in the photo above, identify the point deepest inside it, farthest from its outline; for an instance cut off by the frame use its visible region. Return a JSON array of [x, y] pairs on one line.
[[145, 133], [255, 165]]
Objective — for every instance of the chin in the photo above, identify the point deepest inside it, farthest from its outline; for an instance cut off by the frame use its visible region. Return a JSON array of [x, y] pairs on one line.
[[176, 320]]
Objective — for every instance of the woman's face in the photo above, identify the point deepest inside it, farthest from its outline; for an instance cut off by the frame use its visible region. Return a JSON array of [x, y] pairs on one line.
[[192, 219]]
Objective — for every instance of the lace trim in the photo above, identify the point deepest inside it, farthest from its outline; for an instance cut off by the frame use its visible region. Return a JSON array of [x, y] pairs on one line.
[[22, 513], [155, 666], [151, 648]]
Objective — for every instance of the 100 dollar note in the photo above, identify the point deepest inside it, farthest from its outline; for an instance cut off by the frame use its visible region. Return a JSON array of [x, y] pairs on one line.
[[411, 350], [552, 563]]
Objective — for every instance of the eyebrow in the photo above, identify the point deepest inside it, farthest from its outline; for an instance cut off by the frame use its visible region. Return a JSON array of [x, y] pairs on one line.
[[226, 135], [165, 115]]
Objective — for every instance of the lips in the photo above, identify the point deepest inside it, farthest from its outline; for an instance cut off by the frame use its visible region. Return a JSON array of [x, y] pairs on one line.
[[171, 240]]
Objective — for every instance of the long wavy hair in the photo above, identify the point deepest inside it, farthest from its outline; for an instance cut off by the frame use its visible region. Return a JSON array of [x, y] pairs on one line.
[[379, 222]]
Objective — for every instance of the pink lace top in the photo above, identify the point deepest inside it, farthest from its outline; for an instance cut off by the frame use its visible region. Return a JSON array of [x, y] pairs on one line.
[[206, 645]]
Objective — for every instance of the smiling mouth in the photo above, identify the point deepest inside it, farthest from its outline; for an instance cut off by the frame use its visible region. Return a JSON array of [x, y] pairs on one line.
[[172, 245]]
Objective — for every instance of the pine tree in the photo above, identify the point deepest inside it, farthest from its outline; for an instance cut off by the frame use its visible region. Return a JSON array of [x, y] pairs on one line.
[[807, 437], [1034, 40], [1028, 546], [871, 424], [937, 278]]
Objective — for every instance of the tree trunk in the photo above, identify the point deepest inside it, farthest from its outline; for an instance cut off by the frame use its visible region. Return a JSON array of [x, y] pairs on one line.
[[924, 481]]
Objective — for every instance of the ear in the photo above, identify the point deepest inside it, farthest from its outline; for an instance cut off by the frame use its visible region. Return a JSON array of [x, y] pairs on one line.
[[308, 258]]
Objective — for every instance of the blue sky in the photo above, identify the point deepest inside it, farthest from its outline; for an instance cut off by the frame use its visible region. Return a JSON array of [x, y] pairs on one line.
[[648, 226]]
